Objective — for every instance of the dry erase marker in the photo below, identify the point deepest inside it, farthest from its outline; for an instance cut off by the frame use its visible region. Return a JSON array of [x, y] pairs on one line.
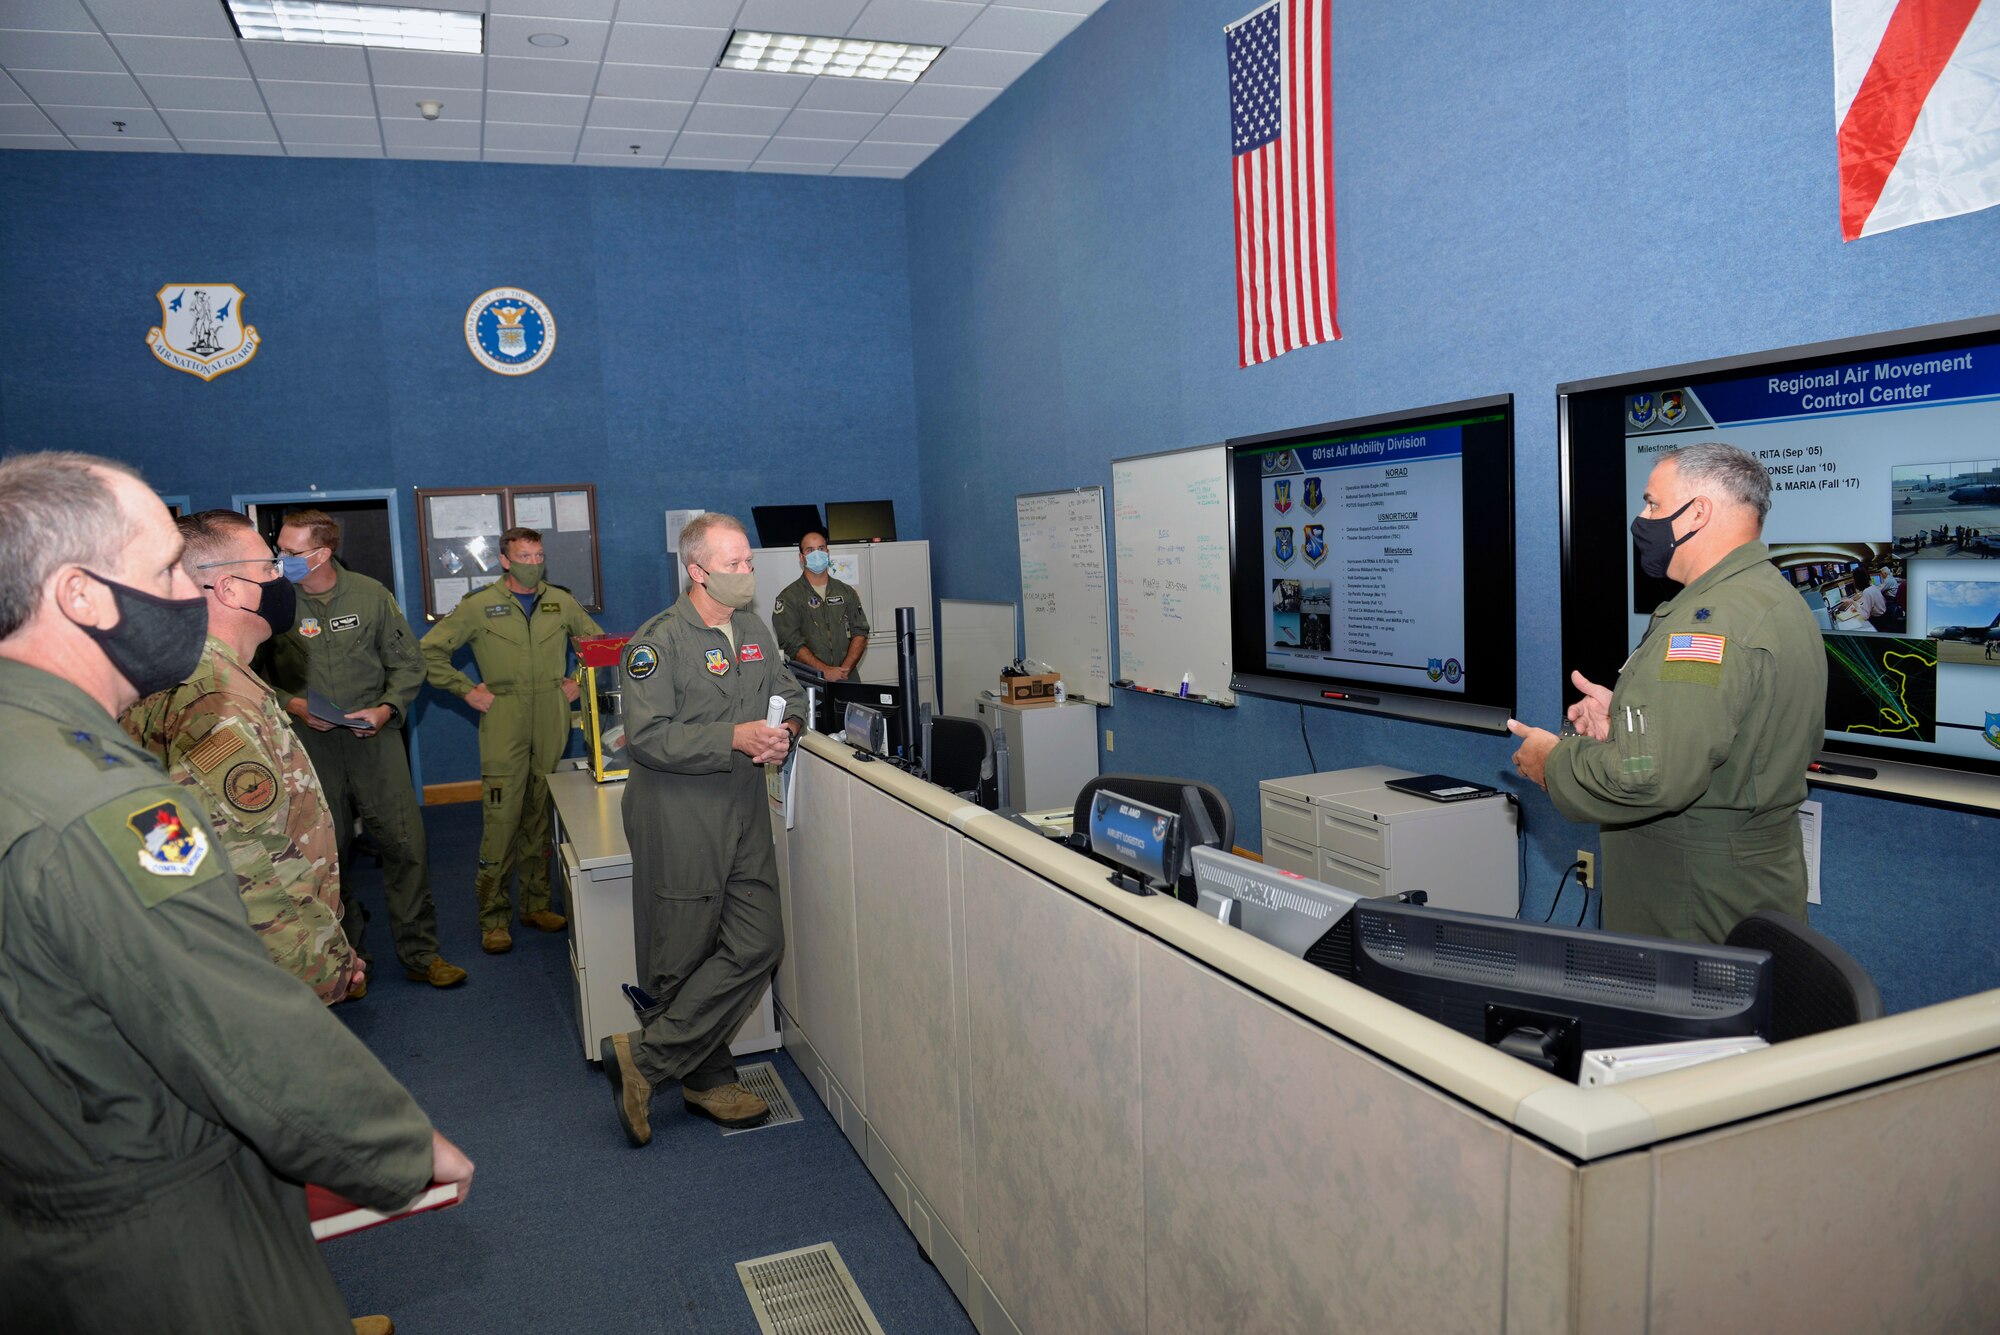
[[1184, 684]]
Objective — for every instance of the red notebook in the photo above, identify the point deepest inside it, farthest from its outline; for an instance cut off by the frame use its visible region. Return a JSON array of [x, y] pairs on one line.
[[333, 1215]]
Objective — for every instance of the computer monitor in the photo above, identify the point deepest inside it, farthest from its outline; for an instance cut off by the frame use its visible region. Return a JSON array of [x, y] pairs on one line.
[[1140, 841], [860, 521], [867, 729], [784, 525], [884, 697], [1548, 994], [1280, 908]]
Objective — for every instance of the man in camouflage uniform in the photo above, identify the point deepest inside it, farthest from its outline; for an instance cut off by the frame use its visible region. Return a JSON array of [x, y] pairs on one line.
[[352, 645], [818, 619], [520, 629], [163, 1087], [221, 736]]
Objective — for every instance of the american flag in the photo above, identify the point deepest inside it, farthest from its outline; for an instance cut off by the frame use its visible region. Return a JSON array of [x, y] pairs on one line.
[[1694, 648], [1281, 142]]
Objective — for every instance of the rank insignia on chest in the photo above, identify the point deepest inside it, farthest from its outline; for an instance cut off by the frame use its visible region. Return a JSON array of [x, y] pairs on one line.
[[716, 661], [752, 653], [168, 846], [309, 628]]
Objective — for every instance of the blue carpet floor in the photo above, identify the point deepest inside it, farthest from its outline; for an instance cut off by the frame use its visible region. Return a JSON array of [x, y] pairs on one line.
[[569, 1228]]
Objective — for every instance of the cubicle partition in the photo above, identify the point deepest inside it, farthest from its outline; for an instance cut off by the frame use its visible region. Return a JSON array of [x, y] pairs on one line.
[[1103, 1113]]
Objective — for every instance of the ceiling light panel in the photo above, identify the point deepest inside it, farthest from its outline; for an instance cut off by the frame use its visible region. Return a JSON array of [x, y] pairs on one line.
[[835, 57], [332, 24]]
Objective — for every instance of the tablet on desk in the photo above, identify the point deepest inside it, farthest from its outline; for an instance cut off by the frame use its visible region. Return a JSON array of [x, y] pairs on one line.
[[1440, 787]]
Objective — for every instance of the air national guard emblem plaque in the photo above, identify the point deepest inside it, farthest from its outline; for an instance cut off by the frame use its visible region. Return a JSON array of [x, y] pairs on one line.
[[201, 329], [510, 332]]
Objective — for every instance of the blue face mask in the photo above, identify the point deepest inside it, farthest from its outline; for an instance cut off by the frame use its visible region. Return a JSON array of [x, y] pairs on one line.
[[818, 561], [296, 568]]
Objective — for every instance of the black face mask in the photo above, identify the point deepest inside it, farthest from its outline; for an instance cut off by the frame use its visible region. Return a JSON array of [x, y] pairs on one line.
[[157, 642], [278, 604], [1657, 543]]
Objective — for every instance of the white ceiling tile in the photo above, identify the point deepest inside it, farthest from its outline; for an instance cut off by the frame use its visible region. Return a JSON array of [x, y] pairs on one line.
[[651, 160], [299, 149], [24, 120], [427, 69], [659, 82], [876, 95], [691, 164], [124, 144], [295, 130], [653, 144], [240, 126], [825, 152], [719, 147], [34, 141], [401, 134], [57, 51], [928, 99], [979, 69], [49, 15], [153, 18], [507, 36], [904, 156], [196, 57], [203, 94], [10, 92], [771, 167], [937, 22], [687, 13], [658, 44], [536, 109], [1003, 28], [263, 148], [745, 88], [530, 138], [315, 64], [79, 90], [287, 97], [140, 122], [930, 130], [509, 74], [1084, 7], [557, 9], [436, 154], [625, 113], [709, 119], [849, 125], [458, 6], [460, 104], [829, 18], [551, 158], [889, 173]]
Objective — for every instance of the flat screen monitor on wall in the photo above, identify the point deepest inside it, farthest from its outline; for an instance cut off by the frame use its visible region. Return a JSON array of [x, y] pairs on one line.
[[1884, 455], [1372, 563], [860, 521], [784, 525]]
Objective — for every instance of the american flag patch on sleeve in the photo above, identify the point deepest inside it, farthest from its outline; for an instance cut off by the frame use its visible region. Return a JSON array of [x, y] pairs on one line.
[[1695, 648]]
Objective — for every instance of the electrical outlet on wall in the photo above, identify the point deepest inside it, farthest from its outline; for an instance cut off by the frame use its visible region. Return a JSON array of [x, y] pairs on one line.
[[1586, 875], [1107, 740]]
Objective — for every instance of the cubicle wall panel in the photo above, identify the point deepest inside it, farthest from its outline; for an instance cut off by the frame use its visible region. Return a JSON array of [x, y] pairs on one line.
[[1541, 1239], [955, 851], [1295, 1183], [1879, 1211], [786, 983], [1053, 987], [823, 914], [1614, 1232], [908, 1027]]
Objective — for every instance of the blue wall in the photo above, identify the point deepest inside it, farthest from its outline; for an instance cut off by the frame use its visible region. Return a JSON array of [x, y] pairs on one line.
[[1526, 195], [722, 340]]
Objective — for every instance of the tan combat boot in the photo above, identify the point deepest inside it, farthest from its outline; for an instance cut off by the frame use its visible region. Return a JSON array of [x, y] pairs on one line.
[[730, 1105], [631, 1093], [546, 920]]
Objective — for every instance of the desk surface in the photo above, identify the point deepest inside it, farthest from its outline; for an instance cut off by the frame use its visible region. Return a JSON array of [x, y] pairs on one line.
[[593, 818]]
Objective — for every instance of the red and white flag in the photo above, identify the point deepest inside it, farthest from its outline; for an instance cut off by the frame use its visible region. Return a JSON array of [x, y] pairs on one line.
[[1916, 94], [1281, 154]]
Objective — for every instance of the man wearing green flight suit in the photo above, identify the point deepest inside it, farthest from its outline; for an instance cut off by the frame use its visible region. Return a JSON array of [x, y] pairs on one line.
[[352, 647], [520, 629], [818, 619], [163, 1086], [699, 678], [1695, 762]]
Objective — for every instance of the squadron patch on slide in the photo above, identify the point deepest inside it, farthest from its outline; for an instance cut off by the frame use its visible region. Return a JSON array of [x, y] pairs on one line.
[[1315, 547], [1281, 544], [510, 331]]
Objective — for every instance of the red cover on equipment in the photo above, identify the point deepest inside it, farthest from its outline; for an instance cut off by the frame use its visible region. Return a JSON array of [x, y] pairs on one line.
[[333, 1214]]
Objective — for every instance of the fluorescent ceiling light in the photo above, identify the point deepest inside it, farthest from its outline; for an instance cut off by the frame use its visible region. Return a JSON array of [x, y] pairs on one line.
[[358, 25], [836, 57]]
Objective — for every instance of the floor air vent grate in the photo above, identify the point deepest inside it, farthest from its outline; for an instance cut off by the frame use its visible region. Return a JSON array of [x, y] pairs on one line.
[[806, 1292], [761, 1079]]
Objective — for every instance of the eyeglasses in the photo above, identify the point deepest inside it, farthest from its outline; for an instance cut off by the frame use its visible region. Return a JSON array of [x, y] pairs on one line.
[[275, 565]]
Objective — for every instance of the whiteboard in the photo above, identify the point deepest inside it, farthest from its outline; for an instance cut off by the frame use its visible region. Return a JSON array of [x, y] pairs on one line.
[[1171, 528], [1065, 604], [975, 640]]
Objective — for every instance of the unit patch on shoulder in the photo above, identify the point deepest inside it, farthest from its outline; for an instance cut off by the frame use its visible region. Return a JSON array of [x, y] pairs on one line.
[[751, 653], [250, 786], [715, 660], [220, 744], [351, 621], [156, 844], [640, 661], [777, 606]]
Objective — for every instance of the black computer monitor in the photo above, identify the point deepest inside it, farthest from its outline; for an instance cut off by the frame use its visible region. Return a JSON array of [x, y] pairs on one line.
[[885, 696], [1549, 994], [784, 525], [860, 521]]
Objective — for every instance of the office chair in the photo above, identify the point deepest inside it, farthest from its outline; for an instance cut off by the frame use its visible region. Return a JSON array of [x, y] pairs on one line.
[[1159, 791], [1815, 985], [961, 759]]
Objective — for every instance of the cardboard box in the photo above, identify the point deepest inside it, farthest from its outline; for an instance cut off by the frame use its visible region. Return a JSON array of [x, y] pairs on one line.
[[1027, 691]]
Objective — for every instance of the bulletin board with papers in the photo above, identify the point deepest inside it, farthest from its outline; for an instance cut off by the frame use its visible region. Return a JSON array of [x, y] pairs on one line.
[[459, 530]]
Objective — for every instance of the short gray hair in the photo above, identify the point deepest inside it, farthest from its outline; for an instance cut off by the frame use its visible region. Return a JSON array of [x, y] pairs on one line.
[[57, 508], [694, 537], [210, 536], [1724, 468]]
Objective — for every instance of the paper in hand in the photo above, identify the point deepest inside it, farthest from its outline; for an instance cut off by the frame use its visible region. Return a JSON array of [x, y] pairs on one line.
[[326, 711]]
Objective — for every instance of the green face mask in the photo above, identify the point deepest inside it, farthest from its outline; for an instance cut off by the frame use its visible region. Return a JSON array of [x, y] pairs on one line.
[[732, 589], [527, 574]]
